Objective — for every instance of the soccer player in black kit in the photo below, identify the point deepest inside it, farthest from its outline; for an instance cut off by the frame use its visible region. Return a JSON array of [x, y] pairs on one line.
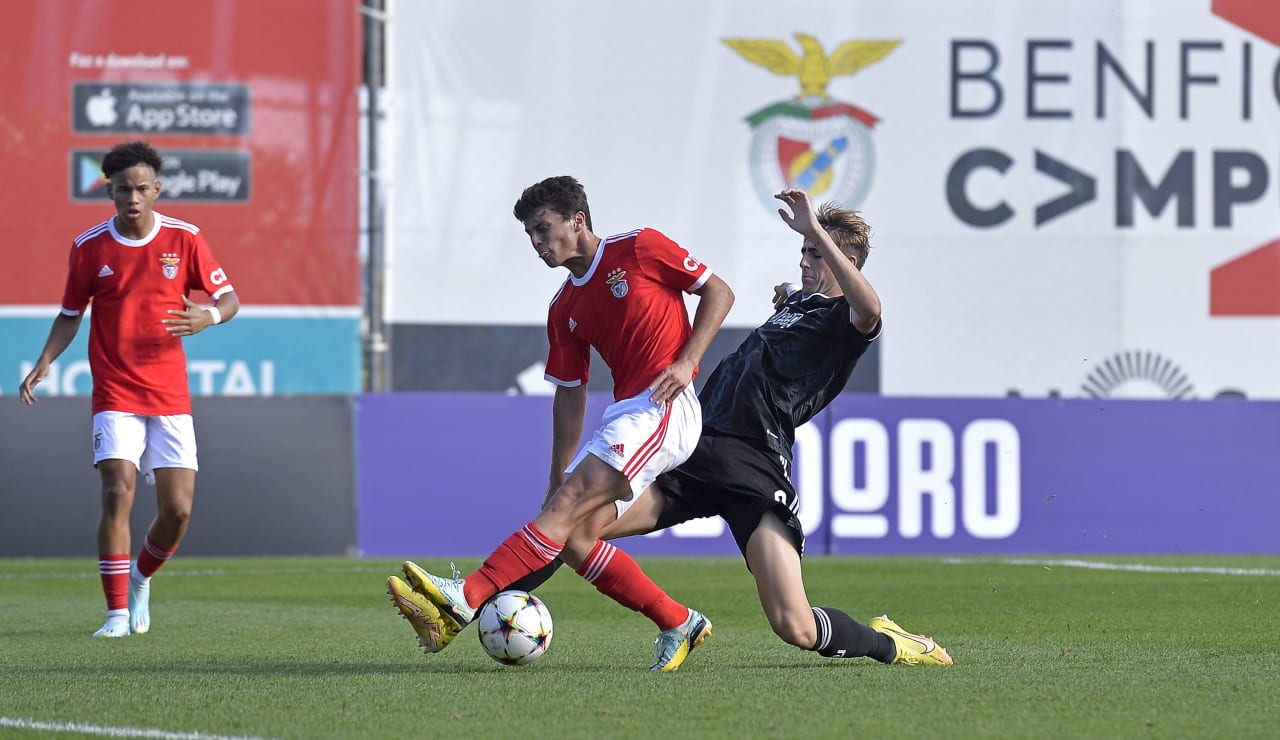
[[782, 374]]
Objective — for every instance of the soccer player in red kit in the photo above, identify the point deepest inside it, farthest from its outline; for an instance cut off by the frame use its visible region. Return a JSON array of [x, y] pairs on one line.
[[624, 297], [137, 269]]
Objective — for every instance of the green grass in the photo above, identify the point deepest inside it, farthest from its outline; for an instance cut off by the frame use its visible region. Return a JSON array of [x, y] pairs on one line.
[[313, 649]]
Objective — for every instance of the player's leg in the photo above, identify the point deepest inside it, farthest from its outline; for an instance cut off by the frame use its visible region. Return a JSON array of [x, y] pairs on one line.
[[575, 552], [175, 492], [637, 441], [774, 560], [170, 461], [665, 503], [611, 570], [628, 428], [118, 441], [642, 441], [589, 488], [639, 518], [616, 574], [749, 486], [775, 563], [119, 482], [119, 478], [585, 501]]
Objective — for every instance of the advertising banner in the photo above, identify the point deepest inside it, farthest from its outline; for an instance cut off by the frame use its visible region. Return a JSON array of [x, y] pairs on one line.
[[260, 141], [451, 475], [1075, 200]]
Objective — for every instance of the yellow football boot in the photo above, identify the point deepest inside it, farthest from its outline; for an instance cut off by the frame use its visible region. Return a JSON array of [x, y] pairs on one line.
[[912, 649], [434, 631]]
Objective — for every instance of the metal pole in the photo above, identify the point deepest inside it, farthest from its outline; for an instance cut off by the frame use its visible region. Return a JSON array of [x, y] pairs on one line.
[[377, 348]]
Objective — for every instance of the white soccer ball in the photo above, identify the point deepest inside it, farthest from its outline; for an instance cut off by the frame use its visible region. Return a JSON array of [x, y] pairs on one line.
[[514, 627]]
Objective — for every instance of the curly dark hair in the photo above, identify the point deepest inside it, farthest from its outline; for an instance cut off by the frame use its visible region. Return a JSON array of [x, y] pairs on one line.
[[123, 156], [562, 194]]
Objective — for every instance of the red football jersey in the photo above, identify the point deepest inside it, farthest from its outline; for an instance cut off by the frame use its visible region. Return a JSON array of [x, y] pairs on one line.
[[629, 307], [137, 366]]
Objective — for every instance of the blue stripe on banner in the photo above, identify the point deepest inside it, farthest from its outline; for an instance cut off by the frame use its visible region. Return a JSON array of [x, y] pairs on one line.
[[252, 356]]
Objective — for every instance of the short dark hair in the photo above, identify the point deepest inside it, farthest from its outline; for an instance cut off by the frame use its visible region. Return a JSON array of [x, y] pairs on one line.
[[562, 194], [132, 153]]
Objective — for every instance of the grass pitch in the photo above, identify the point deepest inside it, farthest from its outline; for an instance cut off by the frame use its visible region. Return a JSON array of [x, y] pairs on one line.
[[274, 648]]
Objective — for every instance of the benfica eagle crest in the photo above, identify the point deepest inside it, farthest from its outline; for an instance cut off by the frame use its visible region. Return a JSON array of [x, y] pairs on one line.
[[812, 141]]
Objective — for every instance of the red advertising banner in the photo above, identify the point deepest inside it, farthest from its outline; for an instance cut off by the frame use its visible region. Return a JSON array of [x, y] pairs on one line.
[[253, 105]]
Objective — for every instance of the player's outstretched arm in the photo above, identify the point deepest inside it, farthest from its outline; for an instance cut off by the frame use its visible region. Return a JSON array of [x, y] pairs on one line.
[[864, 302], [60, 335]]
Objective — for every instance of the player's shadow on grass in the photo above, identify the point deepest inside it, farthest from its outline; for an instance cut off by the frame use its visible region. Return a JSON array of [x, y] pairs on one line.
[[183, 666]]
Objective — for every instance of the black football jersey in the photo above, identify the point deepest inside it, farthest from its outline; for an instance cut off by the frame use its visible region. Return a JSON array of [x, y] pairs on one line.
[[784, 372]]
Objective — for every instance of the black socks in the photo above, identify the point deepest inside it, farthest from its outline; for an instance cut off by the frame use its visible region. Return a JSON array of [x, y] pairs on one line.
[[839, 636]]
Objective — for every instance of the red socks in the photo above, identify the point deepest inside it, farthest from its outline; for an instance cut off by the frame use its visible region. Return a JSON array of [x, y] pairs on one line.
[[114, 570], [616, 575], [152, 556], [609, 569], [519, 555]]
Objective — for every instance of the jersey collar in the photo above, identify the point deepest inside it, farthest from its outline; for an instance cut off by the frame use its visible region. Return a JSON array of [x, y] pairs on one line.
[[144, 241], [595, 262]]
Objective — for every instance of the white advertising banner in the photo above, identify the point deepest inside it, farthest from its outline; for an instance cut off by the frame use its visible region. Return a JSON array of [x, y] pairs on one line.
[[1076, 199]]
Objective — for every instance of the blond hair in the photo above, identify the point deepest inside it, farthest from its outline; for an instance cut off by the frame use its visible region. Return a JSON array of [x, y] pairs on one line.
[[848, 230]]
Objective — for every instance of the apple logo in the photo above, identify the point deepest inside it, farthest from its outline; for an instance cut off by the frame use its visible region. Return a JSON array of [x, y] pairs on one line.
[[101, 108]]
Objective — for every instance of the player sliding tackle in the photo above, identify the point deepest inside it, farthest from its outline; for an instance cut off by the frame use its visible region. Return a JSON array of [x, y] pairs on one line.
[[780, 377], [623, 297]]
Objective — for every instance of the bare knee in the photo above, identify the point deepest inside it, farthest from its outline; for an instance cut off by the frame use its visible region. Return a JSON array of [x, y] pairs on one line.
[[176, 514], [175, 491], [117, 497], [560, 515], [567, 503], [575, 506], [795, 629]]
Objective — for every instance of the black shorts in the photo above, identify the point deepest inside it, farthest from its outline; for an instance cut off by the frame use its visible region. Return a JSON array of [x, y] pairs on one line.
[[735, 480]]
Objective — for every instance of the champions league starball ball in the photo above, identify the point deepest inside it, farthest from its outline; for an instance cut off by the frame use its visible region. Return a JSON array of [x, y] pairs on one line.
[[514, 627]]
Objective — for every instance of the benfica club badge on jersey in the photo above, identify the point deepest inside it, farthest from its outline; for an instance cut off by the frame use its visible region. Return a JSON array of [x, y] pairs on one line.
[[812, 142], [617, 282], [169, 265]]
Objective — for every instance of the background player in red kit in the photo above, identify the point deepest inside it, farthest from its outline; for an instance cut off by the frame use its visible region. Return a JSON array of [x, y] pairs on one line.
[[623, 297], [137, 269]]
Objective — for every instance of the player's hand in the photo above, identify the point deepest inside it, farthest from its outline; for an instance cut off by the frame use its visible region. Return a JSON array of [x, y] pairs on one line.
[[27, 391], [671, 382], [804, 221], [781, 292], [190, 321], [552, 487]]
